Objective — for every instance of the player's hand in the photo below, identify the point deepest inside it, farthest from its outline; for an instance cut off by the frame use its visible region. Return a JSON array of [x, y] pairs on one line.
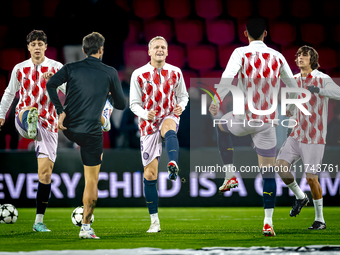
[[151, 114], [313, 89], [213, 109], [2, 122], [178, 110], [61, 122], [47, 75]]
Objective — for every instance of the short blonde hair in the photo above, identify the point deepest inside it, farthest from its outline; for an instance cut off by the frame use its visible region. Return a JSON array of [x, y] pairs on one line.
[[157, 38]]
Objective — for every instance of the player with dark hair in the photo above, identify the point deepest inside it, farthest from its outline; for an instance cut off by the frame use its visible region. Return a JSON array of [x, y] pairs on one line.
[[307, 139], [89, 82], [35, 115], [259, 68], [158, 97]]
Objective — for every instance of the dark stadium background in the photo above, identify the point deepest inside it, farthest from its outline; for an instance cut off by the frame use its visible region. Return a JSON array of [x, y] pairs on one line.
[[201, 34]]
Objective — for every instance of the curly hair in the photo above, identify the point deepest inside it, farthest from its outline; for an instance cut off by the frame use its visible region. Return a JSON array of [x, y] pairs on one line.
[[36, 35], [314, 56]]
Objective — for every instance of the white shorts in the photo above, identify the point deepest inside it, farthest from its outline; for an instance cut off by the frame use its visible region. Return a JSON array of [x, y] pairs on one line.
[[151, 145], [311, 154], [262, 134], [45, 143]]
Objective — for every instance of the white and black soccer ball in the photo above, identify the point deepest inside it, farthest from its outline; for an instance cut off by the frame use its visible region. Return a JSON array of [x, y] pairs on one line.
[[8, 213], [77, 216]]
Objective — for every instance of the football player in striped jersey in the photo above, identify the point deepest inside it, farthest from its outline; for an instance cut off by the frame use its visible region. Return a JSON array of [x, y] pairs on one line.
[[307, 139], [158, 96], [259, 68], [35, 116]]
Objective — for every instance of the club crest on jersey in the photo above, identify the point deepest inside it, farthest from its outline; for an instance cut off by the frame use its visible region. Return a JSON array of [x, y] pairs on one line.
[[145, 156]]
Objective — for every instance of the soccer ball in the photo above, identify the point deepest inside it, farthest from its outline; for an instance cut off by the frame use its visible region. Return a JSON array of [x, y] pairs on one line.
[[77, 216], [8, 213]]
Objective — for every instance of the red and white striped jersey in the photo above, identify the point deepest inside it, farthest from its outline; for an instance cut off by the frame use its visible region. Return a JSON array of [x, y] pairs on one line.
[[312, 129], [158, 89], [26, 78], [259, 68]]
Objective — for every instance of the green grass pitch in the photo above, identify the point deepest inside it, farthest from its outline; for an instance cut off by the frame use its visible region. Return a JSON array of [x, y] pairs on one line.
[[181, 228]]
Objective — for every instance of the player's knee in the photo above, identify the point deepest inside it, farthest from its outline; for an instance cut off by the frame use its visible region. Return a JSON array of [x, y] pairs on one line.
[[45, 172], [45, 177], [150, 176], [164, 130], [167, 126], [282, 165]]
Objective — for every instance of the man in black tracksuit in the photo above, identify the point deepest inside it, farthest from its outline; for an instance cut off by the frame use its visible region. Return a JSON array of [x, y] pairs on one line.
[[89, 82]]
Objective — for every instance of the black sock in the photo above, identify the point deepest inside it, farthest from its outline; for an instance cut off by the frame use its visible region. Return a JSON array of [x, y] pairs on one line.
[[43, 195]]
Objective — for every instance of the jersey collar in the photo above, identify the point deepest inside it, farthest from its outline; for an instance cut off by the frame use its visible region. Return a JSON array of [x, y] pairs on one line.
[[42, 63], [257, 42], [154, 68]]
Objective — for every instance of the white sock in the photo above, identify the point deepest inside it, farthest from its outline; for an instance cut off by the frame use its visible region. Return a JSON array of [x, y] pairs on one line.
[[296, 190], [154, 217], [229, 172], [268, 216], [39, 218], [86, 227], [318, 206]]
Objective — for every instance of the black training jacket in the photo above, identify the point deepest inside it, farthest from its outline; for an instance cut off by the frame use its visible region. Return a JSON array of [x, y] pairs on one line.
[[89, 82]]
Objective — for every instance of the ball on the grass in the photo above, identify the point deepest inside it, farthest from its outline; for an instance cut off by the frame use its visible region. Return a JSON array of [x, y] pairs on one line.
[[77, 216], [8, 213]]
